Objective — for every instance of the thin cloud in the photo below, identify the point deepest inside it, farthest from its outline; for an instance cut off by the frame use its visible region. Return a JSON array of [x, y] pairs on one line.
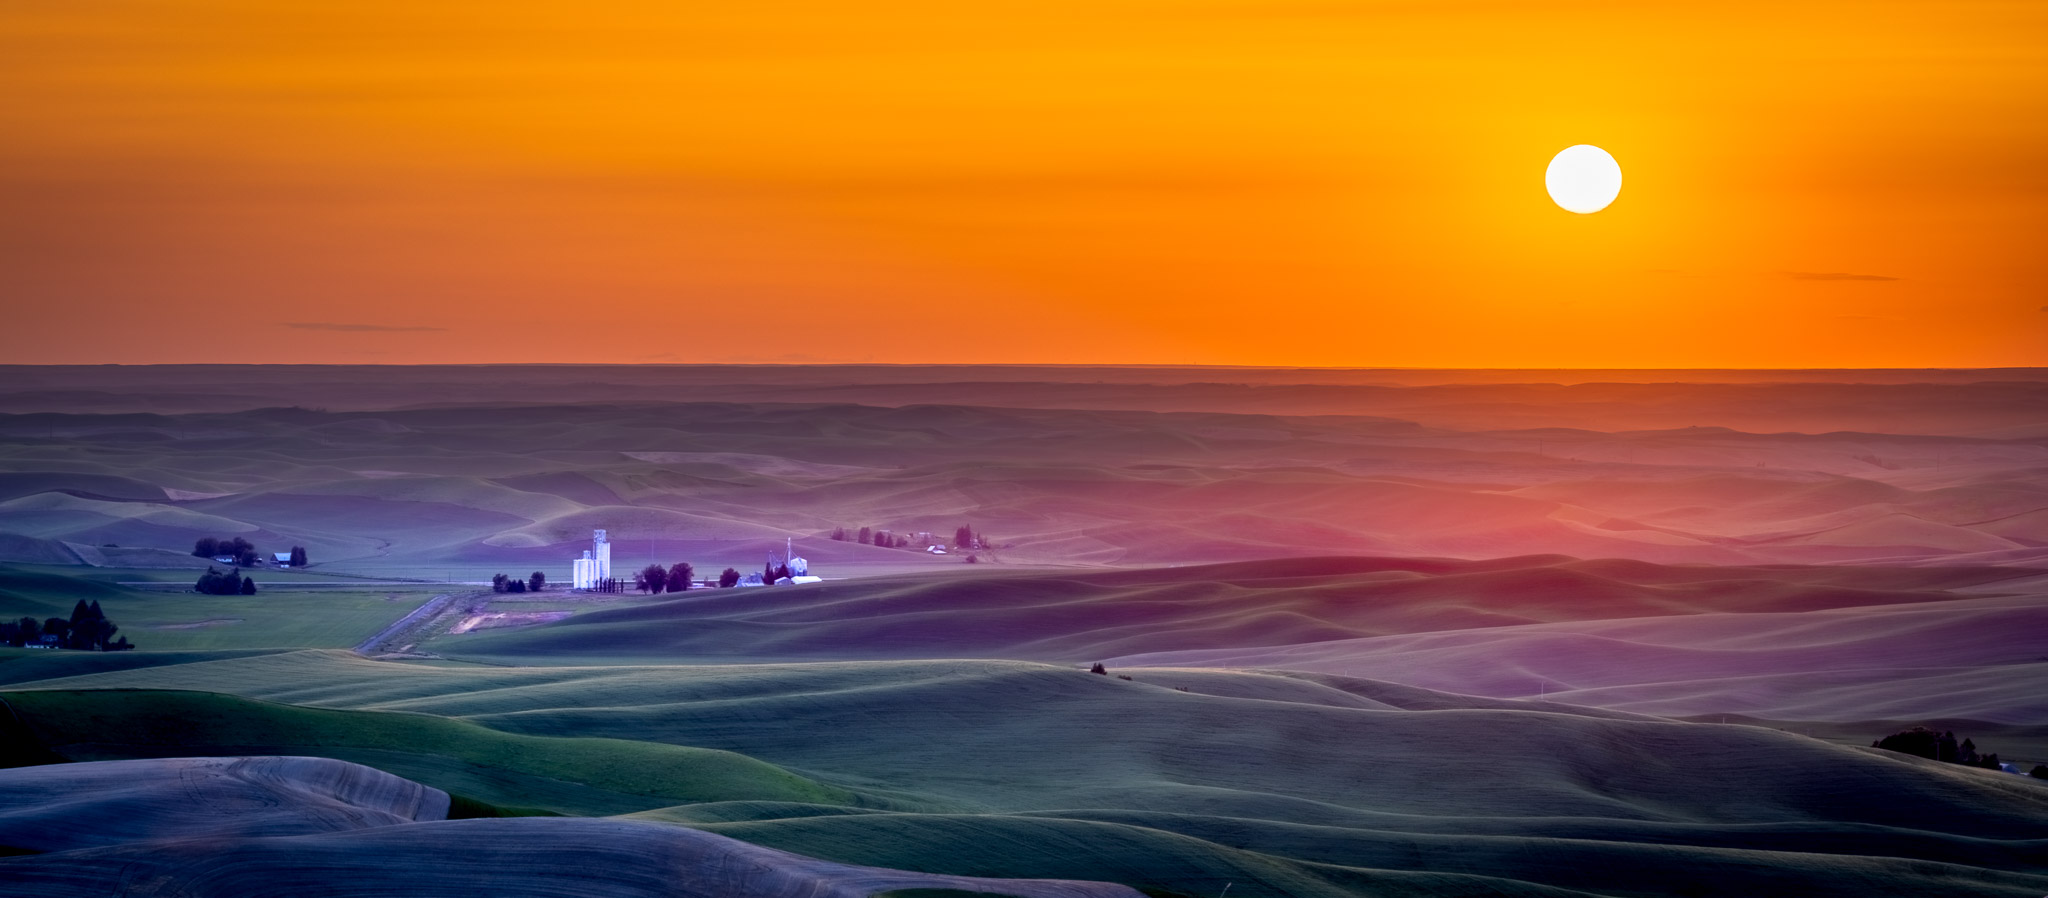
[[357, 328], [1836, 276]]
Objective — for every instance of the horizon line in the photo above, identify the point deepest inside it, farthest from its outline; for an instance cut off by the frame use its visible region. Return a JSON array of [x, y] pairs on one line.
[[1134, 365]]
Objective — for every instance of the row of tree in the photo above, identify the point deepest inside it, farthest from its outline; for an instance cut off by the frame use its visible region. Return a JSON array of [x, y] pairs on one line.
[[535, 583], [1934, 746], [657, 579], [87, 629], [887, 539], [240, 551], [963, 538], [224, 583], [681, 576]]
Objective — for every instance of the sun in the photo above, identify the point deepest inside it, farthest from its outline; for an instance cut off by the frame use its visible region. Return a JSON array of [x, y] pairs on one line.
[[1583, 179]]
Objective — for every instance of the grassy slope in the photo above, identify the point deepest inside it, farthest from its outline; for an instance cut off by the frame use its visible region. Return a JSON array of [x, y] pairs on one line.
[[206, 799], [45, 592], [1046, 771], [1964, 657], [187, 621], [1085, 616], [522, 858], [565, 775]]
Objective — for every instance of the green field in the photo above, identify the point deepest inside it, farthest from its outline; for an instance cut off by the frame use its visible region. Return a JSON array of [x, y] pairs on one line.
[[1177, 781], [560, 775], [161, 619], [1003, 768]]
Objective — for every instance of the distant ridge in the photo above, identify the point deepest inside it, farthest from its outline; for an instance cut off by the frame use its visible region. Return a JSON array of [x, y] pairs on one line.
[[1091, 615]]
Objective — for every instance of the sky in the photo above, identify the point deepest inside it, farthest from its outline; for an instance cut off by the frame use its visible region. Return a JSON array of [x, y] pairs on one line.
[[1227, 182]]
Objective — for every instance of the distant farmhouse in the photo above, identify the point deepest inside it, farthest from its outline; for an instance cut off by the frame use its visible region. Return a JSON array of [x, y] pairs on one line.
[[788, 570]]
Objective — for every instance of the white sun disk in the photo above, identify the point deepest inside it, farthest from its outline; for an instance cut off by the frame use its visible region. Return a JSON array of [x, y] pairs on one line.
[[1583, 179]]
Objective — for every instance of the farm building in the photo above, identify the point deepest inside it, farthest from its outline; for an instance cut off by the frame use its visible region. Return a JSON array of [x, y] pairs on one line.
[[595, 566]]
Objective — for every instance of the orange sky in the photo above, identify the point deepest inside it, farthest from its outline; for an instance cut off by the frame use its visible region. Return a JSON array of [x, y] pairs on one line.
[[1257, 182]]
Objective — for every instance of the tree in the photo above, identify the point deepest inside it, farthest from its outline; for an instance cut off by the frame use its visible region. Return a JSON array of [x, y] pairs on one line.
[[679, 576], [515, 585], [1919, 741], [536, 582], [963, 537], [653, 578], [500, 583], [85, 625], [31, 632], [839, 534], [206, 547], [1099, 669], [866, 536], [243, 551], [1935, 746], [729, 579], [248, 586], [298, 556], [213, 583], [59, 628]]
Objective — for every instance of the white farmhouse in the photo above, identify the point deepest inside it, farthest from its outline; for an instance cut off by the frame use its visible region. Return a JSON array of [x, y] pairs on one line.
[[799, 568]]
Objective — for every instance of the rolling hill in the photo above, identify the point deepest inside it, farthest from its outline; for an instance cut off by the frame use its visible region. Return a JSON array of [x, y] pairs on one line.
[[289, 826], [1091, 616], [1014, 769]]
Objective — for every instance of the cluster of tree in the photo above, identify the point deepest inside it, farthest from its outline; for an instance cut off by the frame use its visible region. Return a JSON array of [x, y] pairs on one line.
[[656, 579], [86, 629], [963, 538], [224, 583], [238, 551], [729, 579], [535, 583], [1942, 746], [869, 536]]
